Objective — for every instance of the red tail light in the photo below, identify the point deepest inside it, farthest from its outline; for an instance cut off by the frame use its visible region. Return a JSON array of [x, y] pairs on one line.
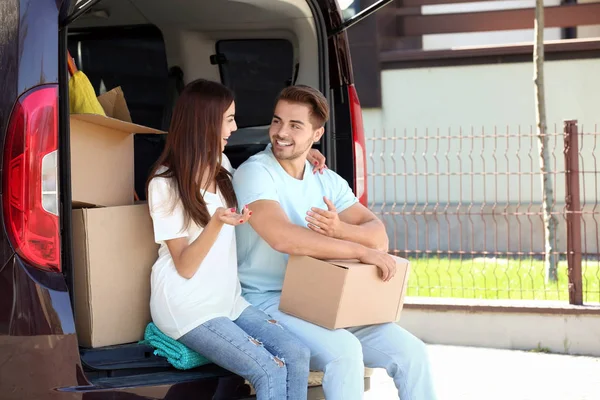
[[360, 156], [30, 186]]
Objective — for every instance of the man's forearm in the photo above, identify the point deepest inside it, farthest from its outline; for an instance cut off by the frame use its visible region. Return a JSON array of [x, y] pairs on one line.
[[272, 224], [304, 242], [370, 234]]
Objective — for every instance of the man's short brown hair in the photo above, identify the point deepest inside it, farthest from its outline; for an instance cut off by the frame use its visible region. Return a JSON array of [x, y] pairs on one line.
[[302, 94]]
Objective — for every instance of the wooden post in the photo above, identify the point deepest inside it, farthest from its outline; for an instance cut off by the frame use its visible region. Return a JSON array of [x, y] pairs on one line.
[[573, 216]]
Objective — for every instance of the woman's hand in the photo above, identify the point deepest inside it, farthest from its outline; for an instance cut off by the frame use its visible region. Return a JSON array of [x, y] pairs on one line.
[[317, 160], [189, 257], [230, 216]]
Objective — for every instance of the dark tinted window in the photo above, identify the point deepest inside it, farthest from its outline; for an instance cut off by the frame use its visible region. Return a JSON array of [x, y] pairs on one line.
[[256, 70], [134, 59]]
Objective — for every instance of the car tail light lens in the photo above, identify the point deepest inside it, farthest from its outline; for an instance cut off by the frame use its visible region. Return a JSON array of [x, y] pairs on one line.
[[360, 156], [30, 186]]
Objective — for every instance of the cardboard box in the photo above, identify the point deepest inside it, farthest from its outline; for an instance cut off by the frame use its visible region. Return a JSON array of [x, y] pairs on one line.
[[114, 251], [342, 294], [102, 163]]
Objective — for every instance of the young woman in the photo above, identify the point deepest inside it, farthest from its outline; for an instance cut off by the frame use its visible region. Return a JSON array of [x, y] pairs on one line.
[[196, 295]]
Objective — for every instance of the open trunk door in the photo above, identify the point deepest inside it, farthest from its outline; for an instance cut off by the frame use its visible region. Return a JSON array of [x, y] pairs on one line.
[[351, 17], [345, 145], [76, 9]]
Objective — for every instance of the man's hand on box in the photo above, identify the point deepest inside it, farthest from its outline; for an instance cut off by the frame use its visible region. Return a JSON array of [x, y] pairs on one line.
[[326, 222], [383, 261]]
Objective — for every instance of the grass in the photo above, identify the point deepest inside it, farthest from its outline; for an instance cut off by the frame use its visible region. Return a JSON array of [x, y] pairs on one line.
[[540, 349], [497, 278]]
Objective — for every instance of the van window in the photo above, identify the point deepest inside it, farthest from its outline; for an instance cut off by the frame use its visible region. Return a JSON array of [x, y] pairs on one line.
[[256, 70], [134, 59]]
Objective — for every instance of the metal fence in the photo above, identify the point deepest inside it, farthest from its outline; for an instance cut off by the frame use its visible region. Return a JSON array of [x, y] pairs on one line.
[[465, 206]]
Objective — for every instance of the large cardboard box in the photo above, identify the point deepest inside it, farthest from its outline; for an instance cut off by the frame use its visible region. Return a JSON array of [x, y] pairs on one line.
[[114, 251], [102, 163], [342, 294]]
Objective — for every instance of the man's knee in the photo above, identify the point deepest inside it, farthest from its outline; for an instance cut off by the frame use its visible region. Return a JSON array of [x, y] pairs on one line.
[[394, 344], [298, 352], [301, 353], [420, 348], [414, 354], [347, 353]]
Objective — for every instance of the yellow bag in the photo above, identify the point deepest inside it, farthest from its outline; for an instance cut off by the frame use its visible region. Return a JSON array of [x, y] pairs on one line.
[[82, 97]]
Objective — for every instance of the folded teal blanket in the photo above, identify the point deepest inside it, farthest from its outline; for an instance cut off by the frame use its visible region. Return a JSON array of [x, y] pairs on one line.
[[177, 354]]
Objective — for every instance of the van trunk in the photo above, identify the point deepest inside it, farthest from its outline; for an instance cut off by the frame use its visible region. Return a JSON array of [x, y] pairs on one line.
[[151, 49]]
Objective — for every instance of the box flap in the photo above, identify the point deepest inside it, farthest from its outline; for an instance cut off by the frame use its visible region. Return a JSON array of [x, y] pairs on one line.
[[115, 124], [75, 205], [117, 114], [114, 104]]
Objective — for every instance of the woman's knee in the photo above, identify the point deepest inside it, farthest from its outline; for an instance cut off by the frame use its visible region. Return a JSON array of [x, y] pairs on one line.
[[273, 374]]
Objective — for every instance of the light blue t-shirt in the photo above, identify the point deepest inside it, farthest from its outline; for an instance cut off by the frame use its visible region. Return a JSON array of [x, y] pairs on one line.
[[261, 269]]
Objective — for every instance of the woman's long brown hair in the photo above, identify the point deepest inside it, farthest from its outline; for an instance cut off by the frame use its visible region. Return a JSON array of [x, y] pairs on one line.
[[193, 148]]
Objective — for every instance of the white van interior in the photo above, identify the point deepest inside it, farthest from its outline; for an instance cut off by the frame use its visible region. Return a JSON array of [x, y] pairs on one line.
[[151, 49]]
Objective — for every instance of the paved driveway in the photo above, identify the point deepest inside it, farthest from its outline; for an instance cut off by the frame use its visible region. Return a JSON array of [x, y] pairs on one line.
[[466, 373]]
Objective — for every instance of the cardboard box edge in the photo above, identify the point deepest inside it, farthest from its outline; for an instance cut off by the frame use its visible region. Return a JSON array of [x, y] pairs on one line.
[[85, 341], [341, 298], [404, 290], [88, 273]]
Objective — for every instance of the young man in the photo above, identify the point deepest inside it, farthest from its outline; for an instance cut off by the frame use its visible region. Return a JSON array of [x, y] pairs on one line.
[[297, 212]]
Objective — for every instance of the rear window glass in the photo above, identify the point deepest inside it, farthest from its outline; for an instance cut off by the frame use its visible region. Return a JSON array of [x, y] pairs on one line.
[[256, 70], [134, 59]]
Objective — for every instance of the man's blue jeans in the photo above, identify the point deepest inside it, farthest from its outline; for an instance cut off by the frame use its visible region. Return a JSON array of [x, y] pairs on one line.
[[342, 355]]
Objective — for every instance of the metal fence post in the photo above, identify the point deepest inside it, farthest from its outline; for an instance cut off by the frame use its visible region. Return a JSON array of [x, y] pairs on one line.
[[573, 212]]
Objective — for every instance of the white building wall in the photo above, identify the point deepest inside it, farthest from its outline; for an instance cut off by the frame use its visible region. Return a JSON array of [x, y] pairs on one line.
[[482, 99]]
